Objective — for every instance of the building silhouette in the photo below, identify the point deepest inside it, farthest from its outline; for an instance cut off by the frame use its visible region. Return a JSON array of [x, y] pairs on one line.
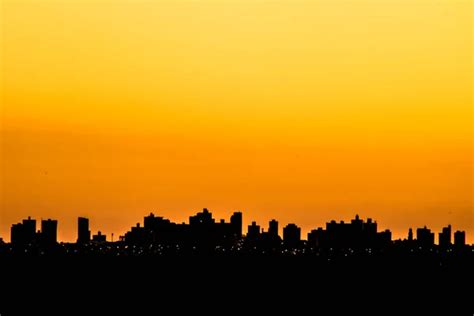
[[460, 238], [268, 242], [445, 237], [83, 232], [236, 223], [424, 237], [383, 239], [99, 238], [202, 218], [253, 231], [317, 238], [49, 232], [410, 235], [202, 232], [357, 234], [291, 236], [24, 233], [204, 235], [273, 228]]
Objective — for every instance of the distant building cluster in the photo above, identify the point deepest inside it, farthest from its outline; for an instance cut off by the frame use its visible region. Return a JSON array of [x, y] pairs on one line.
[[203, 235], [25, 233], [202, 229]]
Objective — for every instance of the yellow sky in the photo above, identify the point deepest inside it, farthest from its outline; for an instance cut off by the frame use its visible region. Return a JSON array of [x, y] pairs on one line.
[[300, 110]]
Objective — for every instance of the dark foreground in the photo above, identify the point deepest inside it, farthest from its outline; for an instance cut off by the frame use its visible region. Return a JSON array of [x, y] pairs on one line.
[[239, 284]]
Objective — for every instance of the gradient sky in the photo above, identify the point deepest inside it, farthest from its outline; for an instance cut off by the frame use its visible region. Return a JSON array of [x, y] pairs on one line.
[[304, 111]]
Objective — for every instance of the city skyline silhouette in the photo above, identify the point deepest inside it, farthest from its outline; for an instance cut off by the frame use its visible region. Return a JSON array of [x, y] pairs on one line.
[[204, 235], [303, 111], [331, 142], [339, 261]]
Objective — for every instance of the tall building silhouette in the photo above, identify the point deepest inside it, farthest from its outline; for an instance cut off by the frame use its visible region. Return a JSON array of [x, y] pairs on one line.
[[83, 232], [17, 234], [204, 235], [253, 231], [236, 223], [202, 218], [459, 238], [410, 234], [49, 232], [445, 237], [24, 233], [424, 237], [316, 238], [356, 234], [273, 228], [291, 235], [202, 232]]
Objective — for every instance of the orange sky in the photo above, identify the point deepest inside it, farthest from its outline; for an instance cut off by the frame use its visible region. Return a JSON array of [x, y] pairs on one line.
[[304, 111]]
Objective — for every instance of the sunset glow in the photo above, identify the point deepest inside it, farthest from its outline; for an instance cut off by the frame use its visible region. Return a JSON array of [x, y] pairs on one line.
[[304, 111]]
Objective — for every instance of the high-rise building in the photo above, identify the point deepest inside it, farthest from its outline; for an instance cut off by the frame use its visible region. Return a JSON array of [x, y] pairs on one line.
[[253, 231], [460, 238], [273, 228], [49, 231], [291, 235], [24, 233], [424, 237], [29, 226], [410, 234], [16, 234], [370, 227], [83, 232], [202, 218], [236, 223], [316, 237], [445, 237]]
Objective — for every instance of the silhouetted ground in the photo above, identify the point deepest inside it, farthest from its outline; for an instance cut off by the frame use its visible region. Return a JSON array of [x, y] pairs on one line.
[[208, 266], [227, 285]]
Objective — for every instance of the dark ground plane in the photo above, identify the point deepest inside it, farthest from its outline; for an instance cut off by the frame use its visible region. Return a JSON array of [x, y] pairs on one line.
[[243, 285]]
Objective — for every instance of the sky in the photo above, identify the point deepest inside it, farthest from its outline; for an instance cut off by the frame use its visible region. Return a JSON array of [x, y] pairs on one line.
[[303, 111]]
